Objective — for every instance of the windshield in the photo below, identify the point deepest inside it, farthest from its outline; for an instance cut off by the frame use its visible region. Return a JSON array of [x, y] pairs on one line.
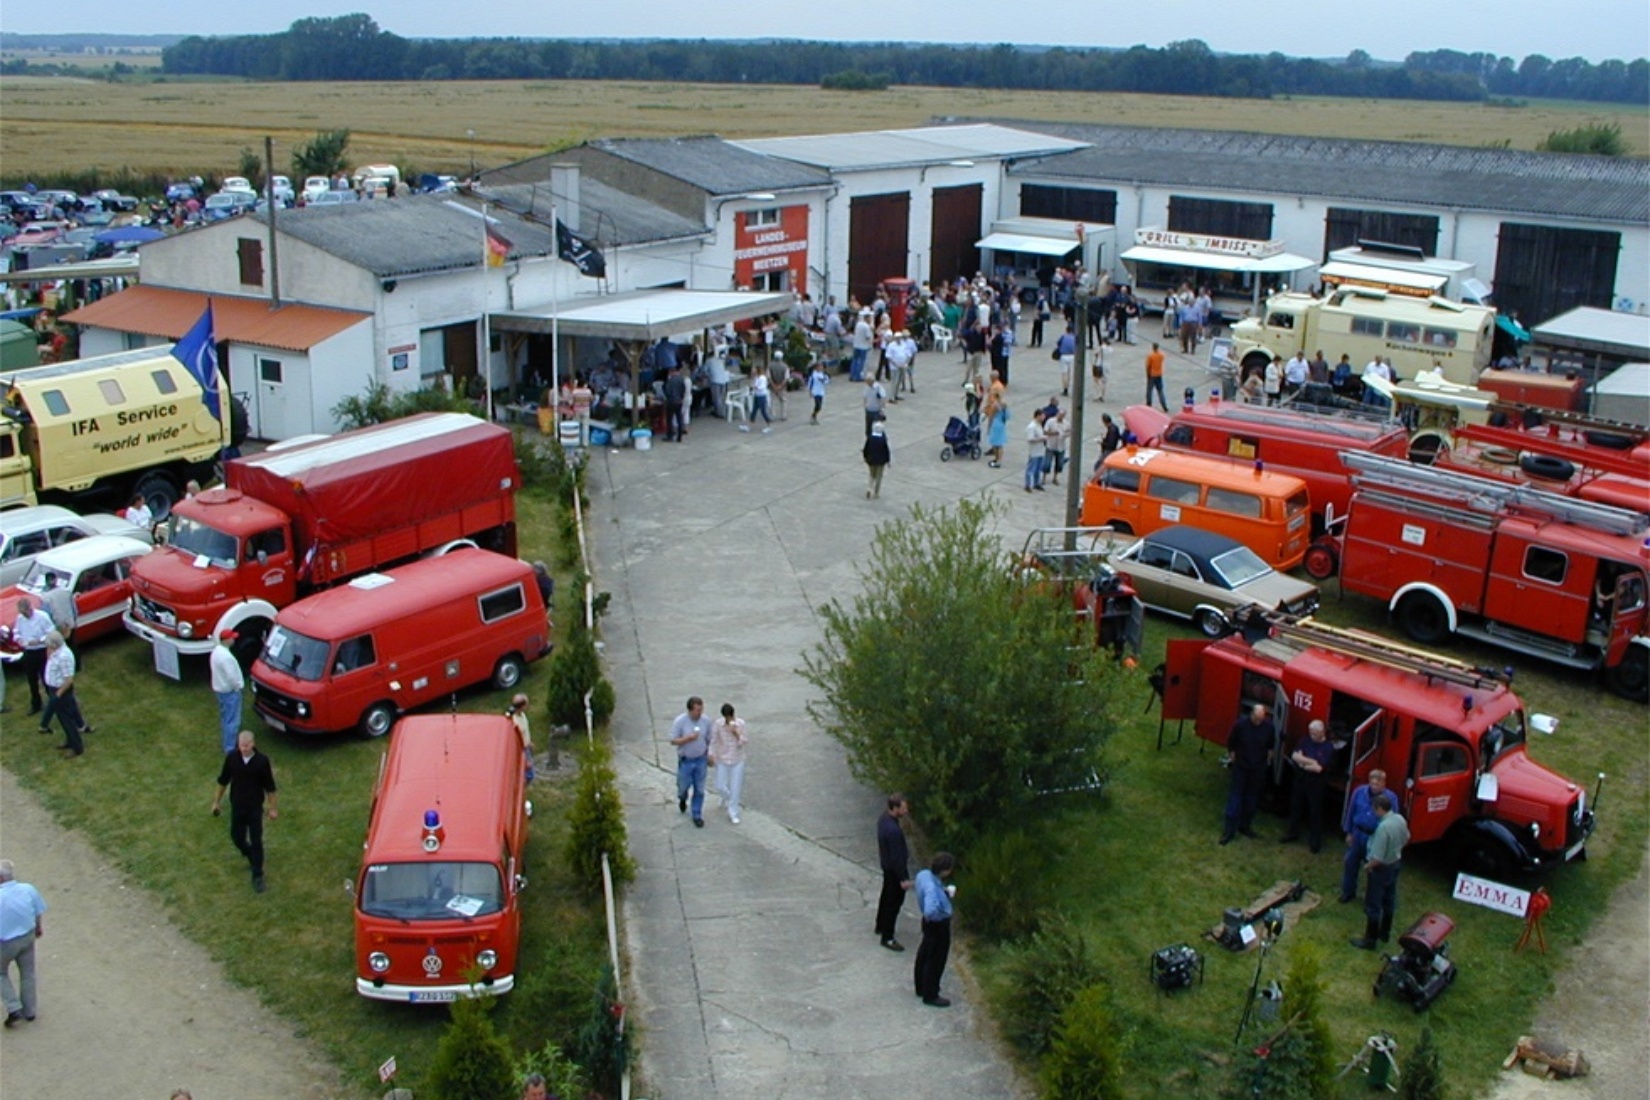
[[431, 891], [1239, 566], [35, 579], [194, 537], [297, 656], [1506, 734]]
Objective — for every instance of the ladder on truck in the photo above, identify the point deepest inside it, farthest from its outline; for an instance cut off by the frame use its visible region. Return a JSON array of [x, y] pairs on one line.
[[1480, 495], [1369, 647]]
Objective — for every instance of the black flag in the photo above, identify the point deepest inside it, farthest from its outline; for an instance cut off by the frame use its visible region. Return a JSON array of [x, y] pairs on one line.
[[573, 248]]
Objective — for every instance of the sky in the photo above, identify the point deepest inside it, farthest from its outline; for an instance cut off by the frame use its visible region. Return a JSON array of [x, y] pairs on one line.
[[1387, 29]]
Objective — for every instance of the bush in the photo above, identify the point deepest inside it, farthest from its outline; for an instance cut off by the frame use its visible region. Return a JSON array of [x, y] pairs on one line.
[[1282, 1071], [950, 679], [1303, 990], [1009, 878], [1594, 138], [852, 80], [596, 821], [1044, 975], [574, 670], [600, 1047], [379, 405], [471, 1061], [1422, 1076], [564, 1076], [1084, 1062]]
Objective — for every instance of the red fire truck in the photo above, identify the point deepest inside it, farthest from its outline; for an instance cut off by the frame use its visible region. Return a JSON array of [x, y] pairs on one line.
[[1450, 737], [1539, 573]]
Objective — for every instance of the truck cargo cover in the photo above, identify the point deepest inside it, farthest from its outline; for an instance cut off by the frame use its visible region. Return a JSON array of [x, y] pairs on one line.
[[377, 479]]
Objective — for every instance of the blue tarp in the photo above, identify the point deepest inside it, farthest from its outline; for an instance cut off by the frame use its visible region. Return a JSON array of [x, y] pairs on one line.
[[1512, 328], [129, 234]]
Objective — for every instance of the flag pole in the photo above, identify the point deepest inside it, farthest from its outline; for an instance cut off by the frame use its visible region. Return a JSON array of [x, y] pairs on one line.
[[486, 324], [555, 336]]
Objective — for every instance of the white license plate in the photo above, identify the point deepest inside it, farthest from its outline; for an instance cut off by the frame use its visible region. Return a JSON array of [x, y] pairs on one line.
[[433, 995], [274, 723]]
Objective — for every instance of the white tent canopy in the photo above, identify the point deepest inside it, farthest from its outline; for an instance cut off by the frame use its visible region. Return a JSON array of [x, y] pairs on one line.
[[1216, 261], [1021, 242], [643, 315]]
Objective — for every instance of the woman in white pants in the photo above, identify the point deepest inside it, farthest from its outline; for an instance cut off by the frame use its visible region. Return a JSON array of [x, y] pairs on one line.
[[727, 752]]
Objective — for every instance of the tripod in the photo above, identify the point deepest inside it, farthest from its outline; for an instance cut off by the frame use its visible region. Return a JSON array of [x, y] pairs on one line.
[[1269, 936]]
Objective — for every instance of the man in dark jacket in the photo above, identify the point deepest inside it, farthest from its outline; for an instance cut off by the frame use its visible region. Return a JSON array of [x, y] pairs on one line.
[[676, 391], [877, 456], [1248, 752], [895, 858], [247, 775]]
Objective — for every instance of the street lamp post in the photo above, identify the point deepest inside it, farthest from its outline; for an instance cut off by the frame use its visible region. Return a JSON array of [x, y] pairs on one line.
[[471, 134]]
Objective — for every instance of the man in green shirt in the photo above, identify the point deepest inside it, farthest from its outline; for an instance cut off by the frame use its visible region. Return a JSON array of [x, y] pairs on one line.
[[1385, 860]]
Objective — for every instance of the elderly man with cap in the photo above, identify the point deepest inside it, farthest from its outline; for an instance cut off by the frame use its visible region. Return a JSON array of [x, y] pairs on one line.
[[863, 339], [228, 682], [902, 353]]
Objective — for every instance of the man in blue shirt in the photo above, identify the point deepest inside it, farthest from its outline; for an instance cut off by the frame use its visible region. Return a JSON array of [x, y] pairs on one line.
[[690, 733], [1358, 823], [1311, 759], [934, 901], [21, 908]]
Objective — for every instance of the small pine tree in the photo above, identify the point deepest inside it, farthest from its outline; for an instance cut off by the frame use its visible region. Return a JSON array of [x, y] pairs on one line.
[[596, 823], [1085, 1062], [1044, 975], [600, 1047], [472, 1062], [1422, 1074], [1303, 1002]]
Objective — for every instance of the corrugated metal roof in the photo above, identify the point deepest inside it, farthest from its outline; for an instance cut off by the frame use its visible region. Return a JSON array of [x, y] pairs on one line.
[[159, 311], [1611, 189], [869, 149], [607, 216], [713, 165]]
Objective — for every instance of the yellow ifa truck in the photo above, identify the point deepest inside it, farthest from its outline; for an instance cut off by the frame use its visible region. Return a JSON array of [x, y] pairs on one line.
[[1415, 333], [111, 426]]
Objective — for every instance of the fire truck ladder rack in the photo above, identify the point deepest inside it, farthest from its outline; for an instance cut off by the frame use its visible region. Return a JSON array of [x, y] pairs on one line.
[[1474, 493], [1580, 421], [1577, 449], [1368, 647]]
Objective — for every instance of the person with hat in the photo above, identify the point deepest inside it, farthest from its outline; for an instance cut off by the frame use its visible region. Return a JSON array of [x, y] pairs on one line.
[[228, 682], [902, 353], [864, 337]]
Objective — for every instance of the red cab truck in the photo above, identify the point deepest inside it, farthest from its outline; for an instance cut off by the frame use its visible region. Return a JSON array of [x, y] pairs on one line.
[[438, 899], [1450, 737], [1542, 574], [290, 522]]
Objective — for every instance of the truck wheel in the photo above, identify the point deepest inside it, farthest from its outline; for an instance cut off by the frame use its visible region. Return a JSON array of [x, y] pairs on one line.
[[1547, 467], [1210, 623], [508, 672], [159, 492], [1253, 363], [1322, 561], [1479, 855], [1423, 618], [378, 719], [1631, 678], [249, 642]]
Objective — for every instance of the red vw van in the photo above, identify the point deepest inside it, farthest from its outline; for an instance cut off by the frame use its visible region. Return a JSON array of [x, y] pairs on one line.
[[361, 653], [438, 900]]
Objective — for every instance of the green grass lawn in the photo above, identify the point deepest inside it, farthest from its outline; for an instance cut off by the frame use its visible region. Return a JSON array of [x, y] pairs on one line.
[[1143, 871], [157, 745]]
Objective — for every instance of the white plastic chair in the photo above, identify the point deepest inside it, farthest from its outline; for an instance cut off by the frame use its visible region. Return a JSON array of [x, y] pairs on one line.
[[942, 337], [737, 403]]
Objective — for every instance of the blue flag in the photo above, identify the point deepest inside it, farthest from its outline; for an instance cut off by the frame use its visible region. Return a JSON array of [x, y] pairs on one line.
[[199, 355]]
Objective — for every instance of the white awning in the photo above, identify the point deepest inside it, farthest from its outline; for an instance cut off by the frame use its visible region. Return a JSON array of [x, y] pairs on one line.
[[110, 267], [643, 314], [1020, 242], [1214, 261]]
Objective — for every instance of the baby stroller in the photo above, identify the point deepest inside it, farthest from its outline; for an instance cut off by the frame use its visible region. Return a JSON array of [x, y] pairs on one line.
[[961, 438]]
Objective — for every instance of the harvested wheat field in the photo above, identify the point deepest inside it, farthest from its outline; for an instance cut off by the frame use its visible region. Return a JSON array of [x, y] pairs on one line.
[[59, 124]]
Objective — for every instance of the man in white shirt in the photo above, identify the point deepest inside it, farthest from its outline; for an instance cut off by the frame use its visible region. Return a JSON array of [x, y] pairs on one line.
[[1036, 451], [1294, 373], [30, 631], [902, 353], [228, 683]]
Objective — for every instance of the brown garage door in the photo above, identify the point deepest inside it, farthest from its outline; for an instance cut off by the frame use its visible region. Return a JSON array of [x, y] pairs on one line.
[[1542, 271], [956, 228], [879, 231]]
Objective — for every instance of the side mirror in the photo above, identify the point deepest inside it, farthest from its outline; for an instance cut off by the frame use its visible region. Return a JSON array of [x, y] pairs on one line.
[[1489, 788]]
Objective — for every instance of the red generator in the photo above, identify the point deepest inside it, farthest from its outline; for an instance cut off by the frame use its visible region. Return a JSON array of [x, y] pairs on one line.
[[1423, 971]]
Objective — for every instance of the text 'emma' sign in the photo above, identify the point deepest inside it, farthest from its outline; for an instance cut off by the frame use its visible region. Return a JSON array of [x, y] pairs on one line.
[[1492, 895]]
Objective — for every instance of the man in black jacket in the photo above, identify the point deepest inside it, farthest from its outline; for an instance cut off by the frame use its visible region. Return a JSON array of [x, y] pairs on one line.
[[1248, 752], [895, 858], [247, 775]]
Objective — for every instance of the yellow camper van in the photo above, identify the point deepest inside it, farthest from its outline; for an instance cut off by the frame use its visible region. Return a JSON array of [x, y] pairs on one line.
[[114, 426]]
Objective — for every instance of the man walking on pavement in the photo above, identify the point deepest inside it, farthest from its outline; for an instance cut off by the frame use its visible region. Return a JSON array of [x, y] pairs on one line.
[[227, 684], [934, 900], [21, 908], [1154, 377], [690, 733], [1248, 752], [60, 698], [1358, 823], [1386, 859], [895, 858], [248, 776], [876, 399]]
